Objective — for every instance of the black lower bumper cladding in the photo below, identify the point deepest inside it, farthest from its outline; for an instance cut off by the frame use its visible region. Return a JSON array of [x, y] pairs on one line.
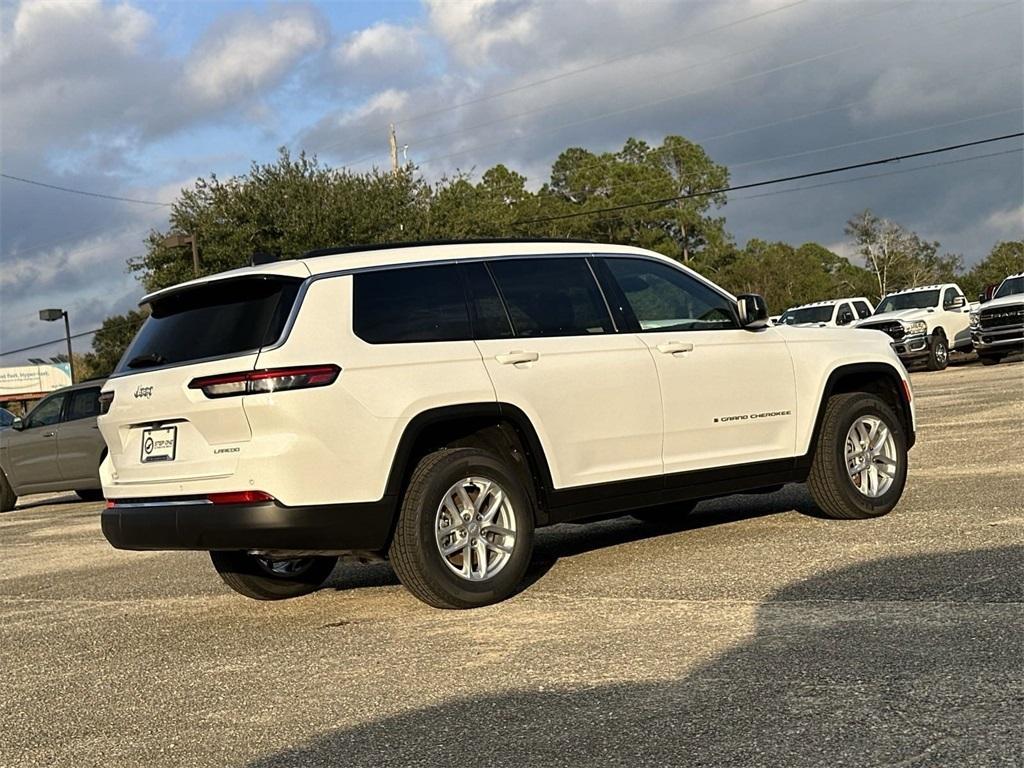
[[199, 525]]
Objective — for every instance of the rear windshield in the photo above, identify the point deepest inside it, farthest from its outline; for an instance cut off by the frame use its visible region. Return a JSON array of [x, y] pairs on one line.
[[212, 320]]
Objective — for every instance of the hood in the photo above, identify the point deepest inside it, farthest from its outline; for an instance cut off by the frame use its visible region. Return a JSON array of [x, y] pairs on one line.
[[907, 315], [1005, 301]]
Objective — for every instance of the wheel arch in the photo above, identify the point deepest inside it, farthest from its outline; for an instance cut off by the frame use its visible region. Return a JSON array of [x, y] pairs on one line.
[[881, 379], [499, 427]]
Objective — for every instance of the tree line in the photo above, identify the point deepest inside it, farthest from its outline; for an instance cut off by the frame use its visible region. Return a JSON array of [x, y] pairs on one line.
[[295, 204]]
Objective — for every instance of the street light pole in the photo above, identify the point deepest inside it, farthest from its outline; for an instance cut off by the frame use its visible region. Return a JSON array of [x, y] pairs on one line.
[[49, 315], [177, 241]]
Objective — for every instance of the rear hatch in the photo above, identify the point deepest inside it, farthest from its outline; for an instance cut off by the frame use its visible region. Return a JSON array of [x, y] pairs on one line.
[[160, 430]]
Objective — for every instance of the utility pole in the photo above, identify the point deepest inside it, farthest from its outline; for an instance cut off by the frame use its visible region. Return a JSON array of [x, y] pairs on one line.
[[393, 141]]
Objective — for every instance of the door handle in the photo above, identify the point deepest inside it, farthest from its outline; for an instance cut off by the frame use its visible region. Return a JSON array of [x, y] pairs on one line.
[[675, 347], [49, 434], [516, 356]]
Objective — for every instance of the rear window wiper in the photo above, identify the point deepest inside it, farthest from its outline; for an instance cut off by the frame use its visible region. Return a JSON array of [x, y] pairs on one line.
[[146, 361]]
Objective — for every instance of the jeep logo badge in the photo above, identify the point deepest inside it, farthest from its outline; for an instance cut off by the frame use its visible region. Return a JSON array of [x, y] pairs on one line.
[[146, 392]]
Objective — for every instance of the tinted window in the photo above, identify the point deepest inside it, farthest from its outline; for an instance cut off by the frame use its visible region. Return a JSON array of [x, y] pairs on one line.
[[551, 297], [83, 404], [46, 413], [667, 299], [845, 315], [393, 306], [6, 418], [863, 310], [212, 320], [1009, 287], [806, 315], [490, 320], [912, 300], [948, 298]]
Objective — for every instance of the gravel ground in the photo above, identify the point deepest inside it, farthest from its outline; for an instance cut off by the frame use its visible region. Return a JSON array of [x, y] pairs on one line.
[[753, 634]]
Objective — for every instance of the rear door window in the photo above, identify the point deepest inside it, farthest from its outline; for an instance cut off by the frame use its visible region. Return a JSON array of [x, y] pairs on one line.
[[410, 304], [83, 404], [551, 297], [863, 310], [46, 413], [215, 319]]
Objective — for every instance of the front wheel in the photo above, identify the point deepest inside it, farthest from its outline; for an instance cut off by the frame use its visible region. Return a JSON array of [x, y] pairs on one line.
[[8, 498], [860, 461], [264, 578], [938, 353], [465, 530]]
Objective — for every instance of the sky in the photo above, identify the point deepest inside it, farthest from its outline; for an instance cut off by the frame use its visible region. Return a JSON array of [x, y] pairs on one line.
[[137, 100]]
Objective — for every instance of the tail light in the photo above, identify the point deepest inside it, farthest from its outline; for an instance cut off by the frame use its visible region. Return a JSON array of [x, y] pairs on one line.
[[271, 380], [105, 399]]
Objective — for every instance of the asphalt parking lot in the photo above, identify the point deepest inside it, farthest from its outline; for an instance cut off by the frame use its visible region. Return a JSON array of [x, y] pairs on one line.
[[755, 633]]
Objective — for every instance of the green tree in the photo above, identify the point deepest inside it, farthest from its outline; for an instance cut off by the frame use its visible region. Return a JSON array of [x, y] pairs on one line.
[[1005, 258], [110, 342]]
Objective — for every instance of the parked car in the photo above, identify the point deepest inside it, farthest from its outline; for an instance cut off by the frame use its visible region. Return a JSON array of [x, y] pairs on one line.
[[925, 323], [831, 313], [997, 327], [56, 447], [6, 418], [435, 404]]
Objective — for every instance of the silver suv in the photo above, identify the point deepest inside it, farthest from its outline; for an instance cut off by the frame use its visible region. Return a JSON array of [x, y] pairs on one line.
[[56, 447]]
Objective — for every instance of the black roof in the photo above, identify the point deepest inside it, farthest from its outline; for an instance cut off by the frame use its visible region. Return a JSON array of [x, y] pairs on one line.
[[420, 243]]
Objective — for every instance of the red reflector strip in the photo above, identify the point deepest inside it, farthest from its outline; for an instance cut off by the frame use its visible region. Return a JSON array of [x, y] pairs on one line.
[[239, 497], [906, 390], [111, 504]]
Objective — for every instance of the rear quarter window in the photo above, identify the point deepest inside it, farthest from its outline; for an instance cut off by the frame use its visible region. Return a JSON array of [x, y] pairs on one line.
[[410, 304]]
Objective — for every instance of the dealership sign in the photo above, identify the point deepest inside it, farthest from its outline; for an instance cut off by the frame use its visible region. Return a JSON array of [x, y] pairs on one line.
[[27, 379]]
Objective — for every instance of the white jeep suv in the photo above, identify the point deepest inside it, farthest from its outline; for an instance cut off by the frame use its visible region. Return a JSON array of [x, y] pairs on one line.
[[434, 404], [925, 323], [997, 327], [833, 313]]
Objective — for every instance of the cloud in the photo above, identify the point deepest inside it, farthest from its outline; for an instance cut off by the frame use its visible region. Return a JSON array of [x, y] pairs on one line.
[[247, 53], [475, 29], [1009, 221]]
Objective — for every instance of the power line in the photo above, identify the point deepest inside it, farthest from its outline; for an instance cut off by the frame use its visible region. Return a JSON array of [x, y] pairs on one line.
[[879, 175], [676, 97], [61, 340], [82, 191], [779, 180]]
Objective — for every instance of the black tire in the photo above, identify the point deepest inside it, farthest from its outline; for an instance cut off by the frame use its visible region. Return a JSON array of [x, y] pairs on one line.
[[990, 359], [90, 494], [664, 515], [254, 577], [829, 482], [8, 498], [414, 552], [938, 352]]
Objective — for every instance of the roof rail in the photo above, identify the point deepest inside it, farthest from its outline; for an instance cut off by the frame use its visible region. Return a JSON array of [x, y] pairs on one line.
[[343, 249]]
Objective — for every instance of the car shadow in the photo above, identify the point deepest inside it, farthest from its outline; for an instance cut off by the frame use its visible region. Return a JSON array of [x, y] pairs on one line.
[[571, 539], [899, 661]]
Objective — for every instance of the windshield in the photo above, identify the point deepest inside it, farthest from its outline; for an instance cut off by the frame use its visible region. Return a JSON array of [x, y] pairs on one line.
[[806, 315], [223, 317], [913, 300], [1010, 286]]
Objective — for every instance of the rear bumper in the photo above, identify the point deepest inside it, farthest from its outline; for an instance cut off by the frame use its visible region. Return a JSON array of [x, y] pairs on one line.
[[198, 525]]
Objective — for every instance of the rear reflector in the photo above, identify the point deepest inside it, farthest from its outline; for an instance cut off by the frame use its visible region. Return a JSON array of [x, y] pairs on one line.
[[239, 497], [271, 380], [907, 394]]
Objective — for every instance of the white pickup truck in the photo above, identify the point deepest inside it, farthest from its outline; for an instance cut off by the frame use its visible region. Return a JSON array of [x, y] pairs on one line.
[[997, 327], [925, 323]]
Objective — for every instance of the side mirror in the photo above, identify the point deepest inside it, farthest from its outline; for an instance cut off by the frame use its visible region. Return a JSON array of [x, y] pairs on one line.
[[752, 310], [956, 303], [844, 319], [17, 424]]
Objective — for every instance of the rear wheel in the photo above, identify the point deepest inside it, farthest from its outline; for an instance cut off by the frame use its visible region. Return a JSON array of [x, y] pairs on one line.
[[264, 578], [7, 495], [465, 530], [860, 462], [90, 494], [938, 352]]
